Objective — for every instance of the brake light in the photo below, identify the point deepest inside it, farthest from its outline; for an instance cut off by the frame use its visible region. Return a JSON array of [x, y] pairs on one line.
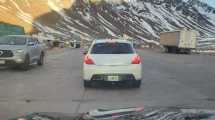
[[140, 109], [136, 59], [88, 60]]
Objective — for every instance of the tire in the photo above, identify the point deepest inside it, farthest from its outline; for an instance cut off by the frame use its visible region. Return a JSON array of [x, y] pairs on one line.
[[188, 51], [26, 65], [166, 49], [137, 84], [87, 84], [174, 50], [178, 51], [41, 60]]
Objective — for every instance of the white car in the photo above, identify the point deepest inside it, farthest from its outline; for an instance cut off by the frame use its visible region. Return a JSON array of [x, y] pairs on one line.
[[112, 60]]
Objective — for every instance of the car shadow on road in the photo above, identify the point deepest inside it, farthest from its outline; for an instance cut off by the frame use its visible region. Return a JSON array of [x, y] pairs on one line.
[[5, 69], [112, 86], [15, 69]]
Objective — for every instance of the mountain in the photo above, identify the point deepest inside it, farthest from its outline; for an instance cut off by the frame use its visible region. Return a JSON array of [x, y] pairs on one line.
[[23, 12], [139, 19]]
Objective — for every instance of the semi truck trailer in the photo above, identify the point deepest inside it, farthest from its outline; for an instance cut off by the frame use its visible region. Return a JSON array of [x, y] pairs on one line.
[[179, 41]]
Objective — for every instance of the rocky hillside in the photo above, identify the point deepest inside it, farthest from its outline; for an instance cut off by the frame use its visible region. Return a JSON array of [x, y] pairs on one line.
[[140, 19], [23, 12]]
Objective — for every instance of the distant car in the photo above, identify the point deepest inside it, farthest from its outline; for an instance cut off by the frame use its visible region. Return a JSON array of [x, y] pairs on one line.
[[21, 51], [75, 44], [112, 60]]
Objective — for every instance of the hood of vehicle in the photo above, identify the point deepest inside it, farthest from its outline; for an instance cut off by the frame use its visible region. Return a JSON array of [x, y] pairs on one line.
[[11, 47], [112, 59], [147, 114]]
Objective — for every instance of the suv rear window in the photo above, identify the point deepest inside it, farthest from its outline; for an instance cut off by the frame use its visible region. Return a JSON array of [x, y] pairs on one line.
[[112, 48]]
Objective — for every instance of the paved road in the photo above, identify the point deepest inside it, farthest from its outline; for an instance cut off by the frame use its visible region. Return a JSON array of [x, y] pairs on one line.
[[169, 80]]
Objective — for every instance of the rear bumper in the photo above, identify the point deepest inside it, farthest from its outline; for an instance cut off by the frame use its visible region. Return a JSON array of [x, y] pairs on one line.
[[100, 73]]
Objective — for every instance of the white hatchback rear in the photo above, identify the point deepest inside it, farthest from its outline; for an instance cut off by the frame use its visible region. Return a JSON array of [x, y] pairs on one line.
[[112, 61]]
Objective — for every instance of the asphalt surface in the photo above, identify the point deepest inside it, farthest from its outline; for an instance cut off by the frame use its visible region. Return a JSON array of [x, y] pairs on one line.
[[169, 80]]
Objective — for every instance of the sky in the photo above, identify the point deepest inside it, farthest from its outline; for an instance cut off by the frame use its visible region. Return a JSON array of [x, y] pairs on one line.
[[210, 2]]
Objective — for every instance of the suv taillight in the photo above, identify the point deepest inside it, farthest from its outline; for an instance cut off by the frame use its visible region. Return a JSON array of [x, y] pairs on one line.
[[136, 59], [88, 60]]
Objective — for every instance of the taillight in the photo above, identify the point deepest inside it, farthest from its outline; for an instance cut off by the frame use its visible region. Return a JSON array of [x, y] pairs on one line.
[[88, 60], [136, 59], [140, 109]]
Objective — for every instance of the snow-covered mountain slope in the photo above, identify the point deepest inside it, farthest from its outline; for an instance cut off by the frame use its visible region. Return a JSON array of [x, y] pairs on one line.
[[140, 19]]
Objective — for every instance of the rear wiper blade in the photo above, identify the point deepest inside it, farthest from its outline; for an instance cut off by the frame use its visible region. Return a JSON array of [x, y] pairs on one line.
[[127, 114], [36, 116], [158, 114], [49, 116], [102, 114]]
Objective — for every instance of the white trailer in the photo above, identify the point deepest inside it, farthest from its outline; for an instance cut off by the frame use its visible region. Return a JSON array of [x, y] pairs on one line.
[[179, 41]]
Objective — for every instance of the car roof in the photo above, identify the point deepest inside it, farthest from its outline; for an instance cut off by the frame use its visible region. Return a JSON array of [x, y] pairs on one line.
[[111, 40]]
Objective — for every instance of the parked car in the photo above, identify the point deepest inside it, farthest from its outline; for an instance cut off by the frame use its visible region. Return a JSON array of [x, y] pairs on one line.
[[21, 51], [112, 60]]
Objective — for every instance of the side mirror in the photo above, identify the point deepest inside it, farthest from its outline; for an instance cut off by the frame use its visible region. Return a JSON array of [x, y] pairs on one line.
[[31, 44]]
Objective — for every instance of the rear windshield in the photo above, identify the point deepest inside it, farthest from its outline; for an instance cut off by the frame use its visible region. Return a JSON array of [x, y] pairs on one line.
[[112, 48]]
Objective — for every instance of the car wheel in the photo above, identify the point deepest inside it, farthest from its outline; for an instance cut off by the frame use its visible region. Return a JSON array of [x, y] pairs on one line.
[[26, 64], [137, 84], [87, 84], [41, 60]]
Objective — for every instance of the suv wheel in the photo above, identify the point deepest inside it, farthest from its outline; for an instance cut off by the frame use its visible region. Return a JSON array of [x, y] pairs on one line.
[[87, 84], [41, 60], [137, 84], [26, 64]]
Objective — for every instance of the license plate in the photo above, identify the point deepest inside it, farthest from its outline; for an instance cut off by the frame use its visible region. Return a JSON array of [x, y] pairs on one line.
[[113, 78], [2, 62]]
